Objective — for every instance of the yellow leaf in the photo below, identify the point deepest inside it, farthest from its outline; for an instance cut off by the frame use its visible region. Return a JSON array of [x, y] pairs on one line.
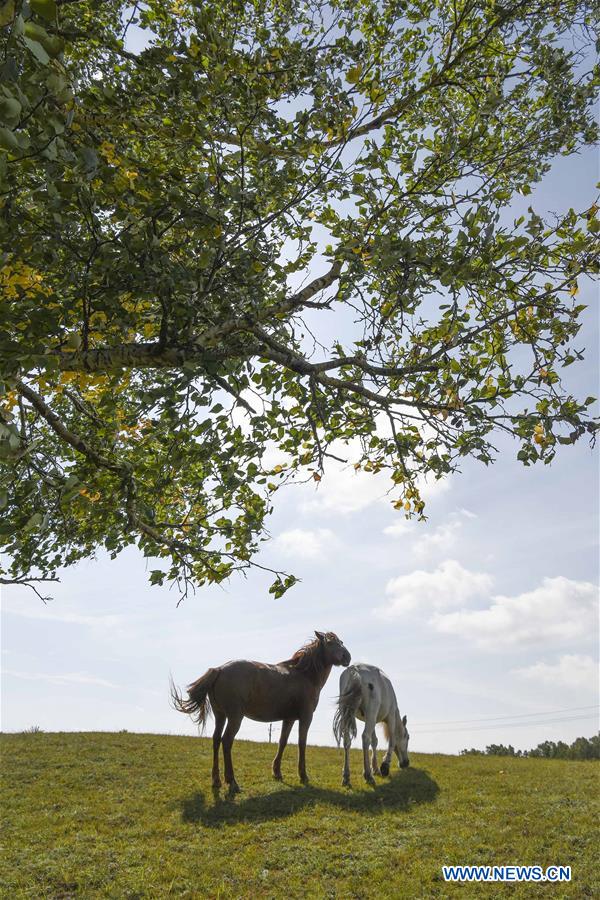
[[7, 13], [353, 74]]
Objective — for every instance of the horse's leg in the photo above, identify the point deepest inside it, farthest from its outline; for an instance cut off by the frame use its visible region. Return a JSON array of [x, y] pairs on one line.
[[286, 727], [233, 726], [385, 762], [347, 745], [303, 726], [219, 725], [366, 740], [374, 764]]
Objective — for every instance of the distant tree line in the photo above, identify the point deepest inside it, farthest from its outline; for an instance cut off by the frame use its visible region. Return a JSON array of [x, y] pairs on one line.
[[581, 748]]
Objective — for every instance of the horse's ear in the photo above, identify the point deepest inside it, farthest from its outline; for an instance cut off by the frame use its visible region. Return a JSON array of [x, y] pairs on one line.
[[404, 720], [320, 635]]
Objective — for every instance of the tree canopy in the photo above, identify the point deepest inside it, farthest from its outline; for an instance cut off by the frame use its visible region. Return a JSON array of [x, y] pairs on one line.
[[581, 748], [194, 194]]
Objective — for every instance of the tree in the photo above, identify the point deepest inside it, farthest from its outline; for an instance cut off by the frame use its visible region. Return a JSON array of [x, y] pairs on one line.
[[500, 750], [581, 748], [181, 223]]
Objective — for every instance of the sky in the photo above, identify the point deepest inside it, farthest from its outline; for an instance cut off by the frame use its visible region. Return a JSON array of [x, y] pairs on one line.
[[485, 617]]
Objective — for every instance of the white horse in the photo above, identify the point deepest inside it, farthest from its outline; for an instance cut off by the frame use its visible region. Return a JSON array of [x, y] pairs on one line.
[[367, 694]]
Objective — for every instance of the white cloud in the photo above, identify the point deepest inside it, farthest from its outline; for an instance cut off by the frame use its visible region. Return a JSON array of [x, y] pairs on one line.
[[68, 678], [432, 487], [346, 490], [50, 613], [401, 528], [441, 540], [571, 671], [437, 542], [558, 609], [342, 489], [304, 543], [448, 585]]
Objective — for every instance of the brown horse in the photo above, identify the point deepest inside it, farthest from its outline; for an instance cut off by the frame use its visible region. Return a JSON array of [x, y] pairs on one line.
[[285, 691]]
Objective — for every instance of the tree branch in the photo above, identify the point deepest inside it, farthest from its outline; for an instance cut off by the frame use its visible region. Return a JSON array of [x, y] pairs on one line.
[[26, 581]]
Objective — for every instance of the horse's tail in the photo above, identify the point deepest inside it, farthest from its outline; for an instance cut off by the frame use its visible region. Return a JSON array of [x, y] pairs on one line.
[[197, 705], [344, 721]]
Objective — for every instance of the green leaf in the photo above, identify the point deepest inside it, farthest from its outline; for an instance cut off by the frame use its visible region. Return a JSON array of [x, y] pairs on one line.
[[33, 521], [37, 50], [181, 205], [8, 139], [7, 13], [10, 110], [44, 8], [52, 44], [281, 585], [157, 576]]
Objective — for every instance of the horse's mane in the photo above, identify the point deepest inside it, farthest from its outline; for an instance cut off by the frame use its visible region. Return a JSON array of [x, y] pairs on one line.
[[308, 658], [386, 727]]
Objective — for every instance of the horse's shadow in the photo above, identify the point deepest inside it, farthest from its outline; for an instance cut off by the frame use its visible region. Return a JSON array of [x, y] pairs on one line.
[[400, 792]]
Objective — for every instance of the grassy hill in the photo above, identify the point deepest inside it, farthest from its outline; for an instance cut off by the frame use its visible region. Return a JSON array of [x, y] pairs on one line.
[[131, 815]]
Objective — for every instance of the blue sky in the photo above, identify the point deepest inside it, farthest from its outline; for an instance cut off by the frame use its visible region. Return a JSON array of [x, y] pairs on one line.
[[486, 610], [485, 617]]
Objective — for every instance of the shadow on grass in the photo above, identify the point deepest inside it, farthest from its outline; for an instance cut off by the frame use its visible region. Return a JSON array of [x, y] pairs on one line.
[[400, 792]]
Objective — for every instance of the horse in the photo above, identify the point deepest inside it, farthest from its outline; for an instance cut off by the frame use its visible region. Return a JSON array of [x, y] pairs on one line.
[[366, 693], [285, 691]]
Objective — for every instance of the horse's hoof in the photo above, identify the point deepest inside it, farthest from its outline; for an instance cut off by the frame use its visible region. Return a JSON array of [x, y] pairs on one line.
[[346, 782], [385, 769], [277, 776], [216, 784], [304, 779], [370, 780], [234, 788]]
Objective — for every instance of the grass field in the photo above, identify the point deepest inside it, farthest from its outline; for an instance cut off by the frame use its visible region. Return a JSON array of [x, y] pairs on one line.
[[131, 815]]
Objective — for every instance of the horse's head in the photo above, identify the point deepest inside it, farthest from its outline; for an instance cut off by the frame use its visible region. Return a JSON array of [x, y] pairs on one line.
[[334, 652], [402, 737]]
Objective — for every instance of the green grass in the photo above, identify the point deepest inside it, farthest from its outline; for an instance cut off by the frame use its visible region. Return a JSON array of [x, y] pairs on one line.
[[131, 815]]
